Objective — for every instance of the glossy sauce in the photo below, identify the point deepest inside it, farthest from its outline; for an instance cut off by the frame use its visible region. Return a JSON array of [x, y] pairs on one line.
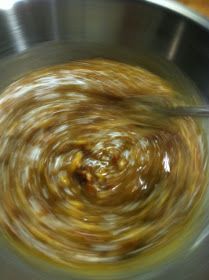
[[88, 178]]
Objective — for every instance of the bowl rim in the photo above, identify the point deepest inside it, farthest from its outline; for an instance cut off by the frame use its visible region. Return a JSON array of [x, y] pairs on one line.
[[183, 10]]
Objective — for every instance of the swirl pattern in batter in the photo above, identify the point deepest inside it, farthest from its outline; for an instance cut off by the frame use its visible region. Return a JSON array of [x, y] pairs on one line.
[[84, 181]]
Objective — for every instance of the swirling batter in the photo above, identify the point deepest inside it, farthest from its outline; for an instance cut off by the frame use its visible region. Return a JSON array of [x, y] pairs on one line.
[[86, 178]]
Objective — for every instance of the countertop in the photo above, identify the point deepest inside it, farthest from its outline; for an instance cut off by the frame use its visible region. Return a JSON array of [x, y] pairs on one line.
[[201, 6]]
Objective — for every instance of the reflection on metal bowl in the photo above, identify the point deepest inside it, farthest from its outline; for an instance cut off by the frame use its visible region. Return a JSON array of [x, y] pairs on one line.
[[154, 34]]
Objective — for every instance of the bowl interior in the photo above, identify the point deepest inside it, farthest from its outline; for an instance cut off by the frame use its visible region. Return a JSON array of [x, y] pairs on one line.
[[161, 36]]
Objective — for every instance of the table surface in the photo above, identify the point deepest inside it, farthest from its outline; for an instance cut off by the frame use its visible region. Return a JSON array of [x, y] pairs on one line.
[[201, 6]]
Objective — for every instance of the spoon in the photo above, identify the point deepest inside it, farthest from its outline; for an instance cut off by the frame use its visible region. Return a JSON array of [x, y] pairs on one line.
[[160, 104]]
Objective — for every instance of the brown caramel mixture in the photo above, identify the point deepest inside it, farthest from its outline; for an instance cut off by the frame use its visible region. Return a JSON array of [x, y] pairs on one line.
[[86, 178]]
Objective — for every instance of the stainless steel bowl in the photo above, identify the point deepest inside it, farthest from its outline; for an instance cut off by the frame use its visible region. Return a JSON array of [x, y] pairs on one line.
[[36, 33]]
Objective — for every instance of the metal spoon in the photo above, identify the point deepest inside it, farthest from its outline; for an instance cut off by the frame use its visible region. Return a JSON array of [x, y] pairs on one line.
[[160, 105]]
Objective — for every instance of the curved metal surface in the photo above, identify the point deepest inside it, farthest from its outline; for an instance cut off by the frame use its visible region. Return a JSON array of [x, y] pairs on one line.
[[182, 10], [36, 33]]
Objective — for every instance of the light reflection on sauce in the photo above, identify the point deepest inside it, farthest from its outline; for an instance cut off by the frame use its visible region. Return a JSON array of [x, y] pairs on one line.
[[81, 180]]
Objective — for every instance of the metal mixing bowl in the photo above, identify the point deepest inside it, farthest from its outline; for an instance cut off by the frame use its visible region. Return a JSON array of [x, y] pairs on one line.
[[36, 33]]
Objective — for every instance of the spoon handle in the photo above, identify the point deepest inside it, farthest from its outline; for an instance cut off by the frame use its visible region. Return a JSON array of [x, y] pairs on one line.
[[158, 103], [193, 111]]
